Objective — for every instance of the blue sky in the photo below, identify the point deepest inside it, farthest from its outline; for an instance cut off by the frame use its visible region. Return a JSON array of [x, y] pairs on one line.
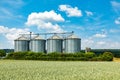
[[96, 22]]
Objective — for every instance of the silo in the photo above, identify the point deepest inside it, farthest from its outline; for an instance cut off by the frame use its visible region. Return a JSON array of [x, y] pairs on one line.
[[72, 44], [37, 44], [54, 44], [21, 44]]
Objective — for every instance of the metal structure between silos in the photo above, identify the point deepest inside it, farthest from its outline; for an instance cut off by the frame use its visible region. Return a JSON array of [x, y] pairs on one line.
[[72, 44], [37, 44], [21, 44], [54, 44]]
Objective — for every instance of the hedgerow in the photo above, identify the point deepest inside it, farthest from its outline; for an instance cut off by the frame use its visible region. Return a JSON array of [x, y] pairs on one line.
[[55, 56]]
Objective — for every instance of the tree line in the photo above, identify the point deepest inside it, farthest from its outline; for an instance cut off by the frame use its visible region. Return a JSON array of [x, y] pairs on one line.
[[55, 56]]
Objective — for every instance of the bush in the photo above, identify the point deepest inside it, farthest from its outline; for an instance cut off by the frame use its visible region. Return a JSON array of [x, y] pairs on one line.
[[107, 56], [89, 56], [54, 54], [19, 55], [2, 53], [97, 58]]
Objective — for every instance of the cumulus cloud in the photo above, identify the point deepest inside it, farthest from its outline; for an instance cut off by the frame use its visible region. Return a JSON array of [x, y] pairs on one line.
[[70, 11], [89, 13], [117, 21], [12, 33], [100, 35], [45, 20]]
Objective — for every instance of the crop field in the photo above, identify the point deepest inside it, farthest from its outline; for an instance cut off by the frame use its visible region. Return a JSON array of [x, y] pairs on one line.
[[58, 70]]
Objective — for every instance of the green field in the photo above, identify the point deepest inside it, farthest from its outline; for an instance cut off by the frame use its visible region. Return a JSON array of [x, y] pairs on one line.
[[58, 70]]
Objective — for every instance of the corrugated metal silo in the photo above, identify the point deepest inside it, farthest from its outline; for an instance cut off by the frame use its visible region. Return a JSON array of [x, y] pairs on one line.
[[54, 44], [38, 44], [72, 44], [21, 44]]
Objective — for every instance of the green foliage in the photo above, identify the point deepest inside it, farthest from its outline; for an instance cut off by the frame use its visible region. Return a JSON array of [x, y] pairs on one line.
[[115, 52], [2, 53], [89, 56], [107, 56], [54, 54], [16, 55]]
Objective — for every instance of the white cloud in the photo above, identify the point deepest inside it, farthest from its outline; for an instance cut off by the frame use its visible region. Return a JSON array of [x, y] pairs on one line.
[[45, 20], [99, 44], [3, 29], [116, 6], [89, 13], [87, 42], [107, 44], [117, 21], [100, 35], [12, 33], [70, 11]]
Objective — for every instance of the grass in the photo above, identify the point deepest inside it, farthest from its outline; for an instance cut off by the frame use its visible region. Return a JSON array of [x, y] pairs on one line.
[[58, 70]]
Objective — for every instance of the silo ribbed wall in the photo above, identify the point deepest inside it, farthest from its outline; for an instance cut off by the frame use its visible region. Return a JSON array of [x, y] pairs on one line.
[[54, 45], [72, 45], [38, 45], [21, 45]]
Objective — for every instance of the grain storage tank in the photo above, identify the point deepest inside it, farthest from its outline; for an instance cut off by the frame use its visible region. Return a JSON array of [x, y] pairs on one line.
[[72, 44], [54, 44], [37, 44], [21, 44]]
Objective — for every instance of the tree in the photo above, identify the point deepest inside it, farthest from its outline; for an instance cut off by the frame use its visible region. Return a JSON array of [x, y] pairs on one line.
[[107, 56], [2, 53]]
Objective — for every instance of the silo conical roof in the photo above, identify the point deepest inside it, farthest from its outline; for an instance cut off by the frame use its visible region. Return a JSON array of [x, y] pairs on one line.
[[73, 37], [37, 38], [55, 37], [22, 38]]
